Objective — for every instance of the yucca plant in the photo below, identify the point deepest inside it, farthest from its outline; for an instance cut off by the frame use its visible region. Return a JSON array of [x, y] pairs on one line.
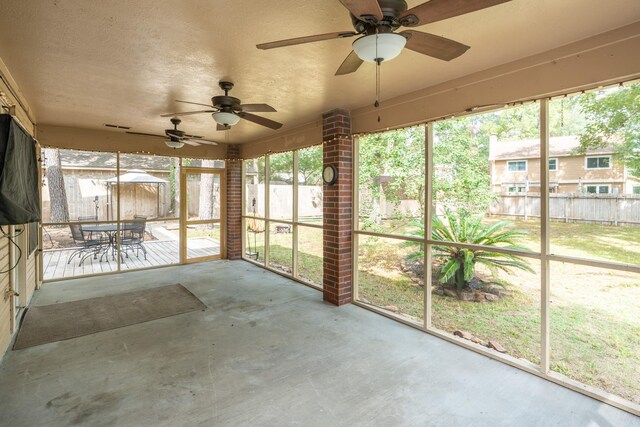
[[459, 264]]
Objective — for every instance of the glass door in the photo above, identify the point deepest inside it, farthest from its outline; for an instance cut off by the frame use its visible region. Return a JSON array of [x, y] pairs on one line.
[[202, 217]]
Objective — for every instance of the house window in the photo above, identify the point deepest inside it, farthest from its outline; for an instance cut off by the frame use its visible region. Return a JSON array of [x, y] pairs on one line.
[[603, 162], [517, 166], [598, 189], [553, 164], [516, 189], [636, 189]]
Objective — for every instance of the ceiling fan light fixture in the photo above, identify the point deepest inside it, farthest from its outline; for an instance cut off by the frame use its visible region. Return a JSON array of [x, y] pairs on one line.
[[174, 144], [225, 119], [385, 46]]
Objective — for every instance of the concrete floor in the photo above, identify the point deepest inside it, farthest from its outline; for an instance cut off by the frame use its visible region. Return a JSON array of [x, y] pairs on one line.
[[269, 352]]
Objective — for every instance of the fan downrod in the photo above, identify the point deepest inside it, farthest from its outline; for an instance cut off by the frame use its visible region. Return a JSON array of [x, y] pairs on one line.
[[226, 87], [225, 102]]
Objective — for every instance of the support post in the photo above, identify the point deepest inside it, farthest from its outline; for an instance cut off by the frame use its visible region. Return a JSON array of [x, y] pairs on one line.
[[545, 285], [338, 208], [234, 202]]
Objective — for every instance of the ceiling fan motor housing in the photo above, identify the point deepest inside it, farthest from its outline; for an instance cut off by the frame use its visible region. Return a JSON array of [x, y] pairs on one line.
[[391, 10], [223, 101], [174, 132]]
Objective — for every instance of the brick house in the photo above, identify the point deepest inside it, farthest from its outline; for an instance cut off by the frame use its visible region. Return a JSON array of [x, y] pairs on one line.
[[515, 168]]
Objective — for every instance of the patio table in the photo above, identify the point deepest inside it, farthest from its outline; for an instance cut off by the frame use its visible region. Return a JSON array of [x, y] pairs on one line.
[[110, 230]]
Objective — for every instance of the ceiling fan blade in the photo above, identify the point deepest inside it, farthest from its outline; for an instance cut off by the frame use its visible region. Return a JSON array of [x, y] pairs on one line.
[[187, 113], [200, 141], [307, 39], [257, 108], [359, 8], [350, 64], [437, 10], [432, 45], [260, 120], [190, 142], [146, 134], [195, 103]]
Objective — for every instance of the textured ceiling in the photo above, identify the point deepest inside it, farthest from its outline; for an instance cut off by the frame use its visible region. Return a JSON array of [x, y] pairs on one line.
[[84, 63]]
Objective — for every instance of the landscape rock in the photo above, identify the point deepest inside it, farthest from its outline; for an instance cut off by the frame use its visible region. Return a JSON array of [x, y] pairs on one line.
[[392, 308], [494, 290], [467, 296], [437, 291], [478, 297], [491, 297], [450, 293], [464, 334], [475, 283], [477, 340], [496, 346]]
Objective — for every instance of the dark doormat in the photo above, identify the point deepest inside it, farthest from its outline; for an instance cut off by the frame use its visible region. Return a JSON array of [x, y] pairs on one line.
[[58, 322]]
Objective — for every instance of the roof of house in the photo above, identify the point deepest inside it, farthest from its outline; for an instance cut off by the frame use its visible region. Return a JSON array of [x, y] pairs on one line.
[[530, 148], [98, 160], [149, 162]]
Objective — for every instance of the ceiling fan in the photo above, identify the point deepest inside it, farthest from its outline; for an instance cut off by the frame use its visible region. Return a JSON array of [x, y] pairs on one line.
[[377, 20], [227, 110], [176, 138]]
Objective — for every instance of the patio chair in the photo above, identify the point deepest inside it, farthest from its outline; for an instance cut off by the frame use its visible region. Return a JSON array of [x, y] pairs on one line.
[[132, 236], [87, 219], [85, 246]]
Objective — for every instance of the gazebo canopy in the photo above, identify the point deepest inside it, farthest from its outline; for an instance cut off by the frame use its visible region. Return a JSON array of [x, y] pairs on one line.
[[137, 176]]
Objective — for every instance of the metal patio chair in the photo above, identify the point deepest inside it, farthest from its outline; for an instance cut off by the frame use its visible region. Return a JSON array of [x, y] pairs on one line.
[[132, 236], [85, 246]]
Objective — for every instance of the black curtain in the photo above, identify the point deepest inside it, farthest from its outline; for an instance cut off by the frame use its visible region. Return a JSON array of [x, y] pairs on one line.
[[19, 192]]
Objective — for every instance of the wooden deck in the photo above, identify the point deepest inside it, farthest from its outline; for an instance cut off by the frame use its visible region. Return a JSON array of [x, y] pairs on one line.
[[56, 266]]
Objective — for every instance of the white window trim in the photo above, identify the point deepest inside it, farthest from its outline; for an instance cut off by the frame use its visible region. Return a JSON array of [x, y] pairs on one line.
[[557, 164], [598, 188], [526, 165], [586, 162], [519, 189]]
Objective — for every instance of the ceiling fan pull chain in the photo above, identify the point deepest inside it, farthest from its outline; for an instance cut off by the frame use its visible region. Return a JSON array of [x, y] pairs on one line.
[[377, 104], [378, 61]]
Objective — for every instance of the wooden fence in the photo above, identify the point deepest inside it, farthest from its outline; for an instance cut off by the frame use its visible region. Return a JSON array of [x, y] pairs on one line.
[[609, 209]]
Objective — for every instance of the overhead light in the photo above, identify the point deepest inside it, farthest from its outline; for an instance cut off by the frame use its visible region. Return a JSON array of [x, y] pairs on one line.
[[225, 119], [379, 47], [174, 144]]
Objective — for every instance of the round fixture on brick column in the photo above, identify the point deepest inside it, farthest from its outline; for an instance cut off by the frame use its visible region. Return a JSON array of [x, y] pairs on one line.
[[330, 174]]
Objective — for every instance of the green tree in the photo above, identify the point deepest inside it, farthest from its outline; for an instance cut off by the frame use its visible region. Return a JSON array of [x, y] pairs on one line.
[[613, 119], [392, 168], [565, 117], [309, 166], [517, 123], [461, 165]]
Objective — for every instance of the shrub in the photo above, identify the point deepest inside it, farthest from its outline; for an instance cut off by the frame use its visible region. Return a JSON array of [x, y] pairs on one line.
[[458, 263]]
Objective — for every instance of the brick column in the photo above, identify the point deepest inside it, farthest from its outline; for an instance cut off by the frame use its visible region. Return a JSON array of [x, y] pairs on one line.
[[234, 202], [337, 208]]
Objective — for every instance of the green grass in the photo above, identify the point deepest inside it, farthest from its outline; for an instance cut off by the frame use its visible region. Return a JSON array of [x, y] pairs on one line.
[[280, 252], [620, 244], [514, 322], [595, 241], [594, 317]]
